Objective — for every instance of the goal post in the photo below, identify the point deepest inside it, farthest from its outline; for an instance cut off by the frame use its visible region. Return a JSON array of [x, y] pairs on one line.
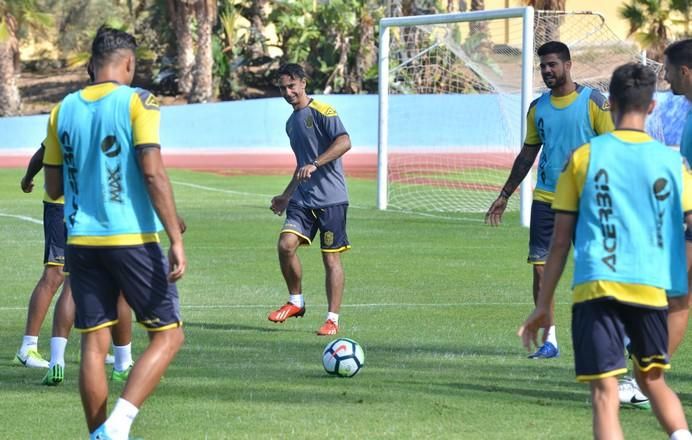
[[454, 92], [526, 14]]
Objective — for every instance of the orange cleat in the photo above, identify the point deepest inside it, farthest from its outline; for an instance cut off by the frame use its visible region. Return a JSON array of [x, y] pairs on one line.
[[329, 328], [286, 311]]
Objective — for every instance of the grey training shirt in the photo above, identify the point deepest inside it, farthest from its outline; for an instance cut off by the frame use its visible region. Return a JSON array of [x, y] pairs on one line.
[[311, 131]]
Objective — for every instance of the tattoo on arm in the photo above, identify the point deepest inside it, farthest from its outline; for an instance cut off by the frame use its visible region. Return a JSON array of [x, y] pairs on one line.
[[521, 167]]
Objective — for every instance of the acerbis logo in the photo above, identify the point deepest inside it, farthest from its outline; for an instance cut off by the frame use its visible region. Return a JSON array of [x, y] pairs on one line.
[[661, 190]]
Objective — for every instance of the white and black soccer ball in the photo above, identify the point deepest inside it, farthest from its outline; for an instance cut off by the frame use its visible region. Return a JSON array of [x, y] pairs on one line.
[[343, 357]]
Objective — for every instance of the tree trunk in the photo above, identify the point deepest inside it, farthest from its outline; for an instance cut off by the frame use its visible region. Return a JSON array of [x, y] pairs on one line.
[[203, 82], [258, 19], [478, 27], [548, 26], [10, 101], [180, 14], [343, 43], [367, 53]]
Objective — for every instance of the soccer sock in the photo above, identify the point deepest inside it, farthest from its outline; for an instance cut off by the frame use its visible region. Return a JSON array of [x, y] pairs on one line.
[[681, 434], [297, 300], [120, 421], [28, 343], [333, 317], [552, 336], [123, 356], [57, 351]]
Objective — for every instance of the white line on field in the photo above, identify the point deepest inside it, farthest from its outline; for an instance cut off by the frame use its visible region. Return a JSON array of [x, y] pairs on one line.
[[348, 306], [242, 193], [22, 217]]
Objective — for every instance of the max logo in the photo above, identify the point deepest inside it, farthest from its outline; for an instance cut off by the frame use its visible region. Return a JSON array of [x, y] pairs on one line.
[[661, 191]]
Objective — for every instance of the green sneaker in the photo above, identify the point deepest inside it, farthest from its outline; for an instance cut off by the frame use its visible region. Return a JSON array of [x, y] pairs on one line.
[[32, 359], [54, 376], [121, 376]]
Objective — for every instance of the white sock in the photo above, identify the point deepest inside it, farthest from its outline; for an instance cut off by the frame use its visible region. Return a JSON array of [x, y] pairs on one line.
[[28, 343], [120, 421], [681, 434], [552, 335], [297, 300], [626, 340], [123, 356], [57, 351], [333, 317]]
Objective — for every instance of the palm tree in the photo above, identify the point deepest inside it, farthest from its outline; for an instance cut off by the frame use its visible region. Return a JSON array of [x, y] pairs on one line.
[[13, 15], [180, 14], [202, 84], [547, 25], [649, 24]]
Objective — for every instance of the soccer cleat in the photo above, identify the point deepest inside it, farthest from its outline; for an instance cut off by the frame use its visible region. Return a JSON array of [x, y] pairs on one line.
[[100, 434], [286, 311], [329, 328], [121, 376], [631, 395], [54, 376], [546, 351], [32, 359]]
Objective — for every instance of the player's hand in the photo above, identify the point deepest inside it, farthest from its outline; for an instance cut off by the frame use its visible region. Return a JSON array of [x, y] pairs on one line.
[[494, 215], [176, 262], [305, 172], [27, 185], [279, 204], [181, 224], [528, 332]]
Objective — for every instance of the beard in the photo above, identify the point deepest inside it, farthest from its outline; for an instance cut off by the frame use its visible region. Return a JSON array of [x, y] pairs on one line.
[[553, 82]]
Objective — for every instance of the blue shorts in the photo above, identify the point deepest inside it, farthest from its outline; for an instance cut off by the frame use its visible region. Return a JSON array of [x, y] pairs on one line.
[[598, 329], [688, 235], [540, 231], [54, 234], [99, 274], [330, 221]]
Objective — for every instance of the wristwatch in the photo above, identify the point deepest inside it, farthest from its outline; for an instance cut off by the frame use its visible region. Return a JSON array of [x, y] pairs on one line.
[[315, 164]]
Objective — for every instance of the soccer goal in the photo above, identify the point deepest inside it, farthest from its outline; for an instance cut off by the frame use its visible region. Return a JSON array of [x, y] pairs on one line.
[[454, 90]]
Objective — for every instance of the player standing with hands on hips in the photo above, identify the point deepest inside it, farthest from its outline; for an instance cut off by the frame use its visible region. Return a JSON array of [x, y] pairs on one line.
[[315, 199]]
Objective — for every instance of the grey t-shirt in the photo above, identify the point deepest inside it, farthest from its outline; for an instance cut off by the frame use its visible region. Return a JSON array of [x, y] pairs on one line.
[[311, 131]]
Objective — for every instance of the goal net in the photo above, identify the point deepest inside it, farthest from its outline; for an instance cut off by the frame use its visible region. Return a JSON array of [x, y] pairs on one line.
[[453, 100]]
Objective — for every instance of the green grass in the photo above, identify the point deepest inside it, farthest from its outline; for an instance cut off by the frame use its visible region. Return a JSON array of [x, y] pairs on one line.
[[435, 302]]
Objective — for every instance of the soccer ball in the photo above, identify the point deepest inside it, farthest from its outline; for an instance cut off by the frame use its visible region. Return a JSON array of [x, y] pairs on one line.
[[343, 357]]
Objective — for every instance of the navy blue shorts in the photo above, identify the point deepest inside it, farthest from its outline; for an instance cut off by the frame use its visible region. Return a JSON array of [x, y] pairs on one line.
[[54, 234], [99, 274], [540, 231], [688, 235], [598, 329], [330, 221]]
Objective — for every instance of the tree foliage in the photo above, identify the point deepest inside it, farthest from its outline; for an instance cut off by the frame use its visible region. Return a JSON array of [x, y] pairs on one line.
[[651, 22]]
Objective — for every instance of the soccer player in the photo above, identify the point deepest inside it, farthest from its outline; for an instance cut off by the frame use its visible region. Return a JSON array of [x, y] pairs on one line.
[[678, 68], [103, 151], [560, 120], [315, 199], [63, 315], [621, 198]]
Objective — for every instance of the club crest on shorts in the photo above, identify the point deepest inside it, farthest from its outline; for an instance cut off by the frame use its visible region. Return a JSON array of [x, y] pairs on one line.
[[328, 238]]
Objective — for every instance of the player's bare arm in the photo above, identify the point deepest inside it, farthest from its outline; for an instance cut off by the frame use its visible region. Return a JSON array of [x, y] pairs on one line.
[[554, 266], [521, 167], [161, 194], [35, 165], [280, 202], [53, 178], [338, 148]]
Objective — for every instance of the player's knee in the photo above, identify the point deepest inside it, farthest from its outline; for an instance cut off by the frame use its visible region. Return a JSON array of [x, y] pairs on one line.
[[287, 247], [53, 276]]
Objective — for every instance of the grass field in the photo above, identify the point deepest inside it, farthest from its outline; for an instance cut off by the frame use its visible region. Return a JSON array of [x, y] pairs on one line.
[[435, 302]]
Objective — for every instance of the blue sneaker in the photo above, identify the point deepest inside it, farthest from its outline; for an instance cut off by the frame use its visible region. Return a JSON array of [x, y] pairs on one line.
[[546, 351], [100, 434]]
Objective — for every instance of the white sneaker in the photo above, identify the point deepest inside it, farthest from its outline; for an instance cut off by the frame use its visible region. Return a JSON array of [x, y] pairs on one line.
[[32, 359], [631, 395], [110, 359]]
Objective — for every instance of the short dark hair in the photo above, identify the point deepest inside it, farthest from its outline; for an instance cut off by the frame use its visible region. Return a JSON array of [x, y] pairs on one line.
[[558, 48], [679, 53], [293, 70], [107, 42], [632, 87]]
